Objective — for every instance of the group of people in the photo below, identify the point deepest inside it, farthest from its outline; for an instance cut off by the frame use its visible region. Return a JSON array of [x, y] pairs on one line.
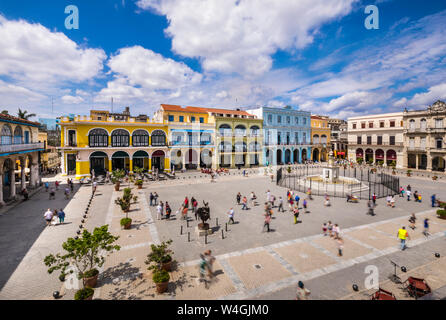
[[52, 216], [52, 189], [243, 200], [334, 231]]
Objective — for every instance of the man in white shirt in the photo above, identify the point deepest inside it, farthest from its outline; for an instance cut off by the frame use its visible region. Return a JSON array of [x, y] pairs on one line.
[[159, 211], [48, 215], [231, 216]]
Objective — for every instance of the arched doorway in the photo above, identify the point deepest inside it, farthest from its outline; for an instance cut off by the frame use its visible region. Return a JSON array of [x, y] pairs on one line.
[[279, 156], [158, 160], [324, 155], [296, 156], [269, 157], [379, 156], [287, 156], [206, 158], [141, 160], [191, 159], [8, 171], [304, 155], [438, 164], [369, 156], [391, 156], [99, 162], [176, 160], [359, 155], [120, 160], [315, 154]]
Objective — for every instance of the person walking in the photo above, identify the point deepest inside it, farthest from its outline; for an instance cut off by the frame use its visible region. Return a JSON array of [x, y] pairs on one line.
[[151, 197], [336, 231], [194, 209], [401, 193], [231, 216], [48, 215], [302, 293], [210, 259], [330, 229], [71, 185], [67, 193], [296, 214], [56, 184], [253, 199], [281, 205], [159, 211], [392, 201], [433, 200], [267, 222], [238, 198], [305, 204], [403, 235], [426, 227], [203, 267], [327, 201], [168, 211], [155, 198], [94, 185], [412, 221], [47, 186], [245, 203], [340, 243], [184, 211], [408, 192], [297, 199], [25, 194], [324, 229], [61, 216], [52, 194], [374, 198]]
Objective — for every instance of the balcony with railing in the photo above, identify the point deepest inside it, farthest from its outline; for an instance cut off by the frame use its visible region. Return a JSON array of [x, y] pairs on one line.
[[11, 148]]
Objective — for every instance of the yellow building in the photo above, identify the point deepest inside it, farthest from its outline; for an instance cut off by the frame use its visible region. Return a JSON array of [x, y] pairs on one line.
[[239, 138], [320, 138], [107, 141], [191, 136]]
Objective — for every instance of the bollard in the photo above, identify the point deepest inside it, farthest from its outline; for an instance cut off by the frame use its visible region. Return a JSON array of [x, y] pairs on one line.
[[206, 238], [188, 237], [181, 232], [187, 223], [222, 234], [226, 227], [216, 222]]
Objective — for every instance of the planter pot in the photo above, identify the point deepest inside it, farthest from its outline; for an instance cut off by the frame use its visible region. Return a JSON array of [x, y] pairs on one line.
[[91, 282], [167, 266], [90, 297], [117, 185], [162, 287], [441, 217], [408, 174], [140, 186], [128, 225]]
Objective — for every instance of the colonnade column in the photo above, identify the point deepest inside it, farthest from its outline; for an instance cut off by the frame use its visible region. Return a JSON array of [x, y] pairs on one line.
[[12, 179], [2, 203], [23, 176]]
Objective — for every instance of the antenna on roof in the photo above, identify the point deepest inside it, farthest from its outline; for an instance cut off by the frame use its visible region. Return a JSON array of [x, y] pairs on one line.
[[52, 106], [112, 105]]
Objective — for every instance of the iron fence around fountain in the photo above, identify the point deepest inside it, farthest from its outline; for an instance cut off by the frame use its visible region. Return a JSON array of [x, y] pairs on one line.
[[378, 183]]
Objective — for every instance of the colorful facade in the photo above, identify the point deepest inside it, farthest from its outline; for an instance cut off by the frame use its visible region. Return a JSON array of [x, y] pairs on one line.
[[191, 136], [19, 156], [287, 135], [320, 138], [104, 142], [238, 137]]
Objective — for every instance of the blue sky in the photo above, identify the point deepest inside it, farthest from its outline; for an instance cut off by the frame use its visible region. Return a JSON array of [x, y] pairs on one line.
[[313, 54]]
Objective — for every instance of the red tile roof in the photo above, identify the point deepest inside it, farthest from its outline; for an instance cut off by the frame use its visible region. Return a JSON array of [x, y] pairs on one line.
[[169, 107], [16, 119]]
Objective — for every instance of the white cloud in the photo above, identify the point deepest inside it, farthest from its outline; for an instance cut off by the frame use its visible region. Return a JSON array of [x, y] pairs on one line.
[[240, 36], [32, 53], [424, 99], [72, 99], [148, 69]]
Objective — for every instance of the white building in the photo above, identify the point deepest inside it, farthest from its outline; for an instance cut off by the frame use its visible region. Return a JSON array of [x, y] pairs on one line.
[[377, 138]]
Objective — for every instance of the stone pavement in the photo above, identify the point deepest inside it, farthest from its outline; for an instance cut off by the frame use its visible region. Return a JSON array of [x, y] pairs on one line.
[[249, 263]]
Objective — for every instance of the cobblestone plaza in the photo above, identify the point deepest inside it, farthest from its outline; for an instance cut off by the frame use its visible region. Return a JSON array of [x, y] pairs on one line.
[[249, 263]]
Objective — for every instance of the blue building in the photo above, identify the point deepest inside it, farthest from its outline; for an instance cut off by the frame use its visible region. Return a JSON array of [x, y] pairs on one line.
[[287, 134]]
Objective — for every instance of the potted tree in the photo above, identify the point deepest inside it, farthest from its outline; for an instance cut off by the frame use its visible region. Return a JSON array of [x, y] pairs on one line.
[[441, 213], [161, 256], [139, 171], [161, 278], [125, 207], [434, 178], [359, 160], [86, 254], [409, 173], [117, 175], [139, 183]]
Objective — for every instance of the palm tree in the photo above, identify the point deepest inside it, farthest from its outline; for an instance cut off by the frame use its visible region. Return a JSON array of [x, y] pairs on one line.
[[25, 115]]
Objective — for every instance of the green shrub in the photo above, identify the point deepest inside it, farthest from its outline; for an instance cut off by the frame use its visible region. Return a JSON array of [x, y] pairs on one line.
[[138, 182], [441, 213], [83, 294], [90, 273], [160, 276], [125, 221]]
